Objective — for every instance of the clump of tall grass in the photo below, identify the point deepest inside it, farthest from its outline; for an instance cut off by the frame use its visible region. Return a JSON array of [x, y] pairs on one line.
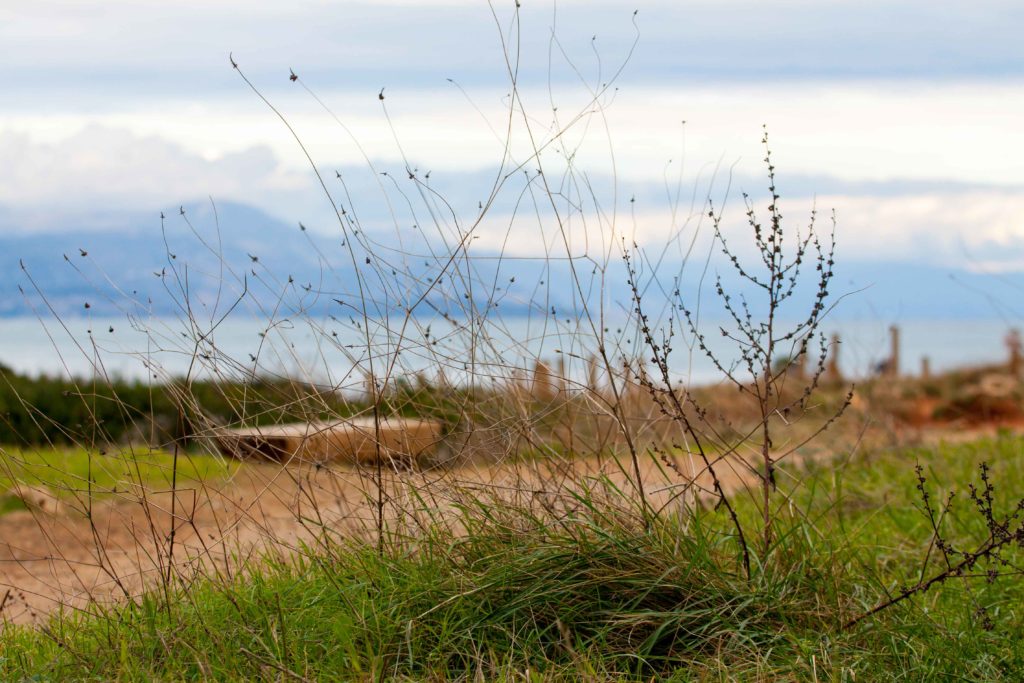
[[501, 587]]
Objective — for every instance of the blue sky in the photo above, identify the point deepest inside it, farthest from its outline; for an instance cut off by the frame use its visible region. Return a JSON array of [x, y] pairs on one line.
[[903, 116]]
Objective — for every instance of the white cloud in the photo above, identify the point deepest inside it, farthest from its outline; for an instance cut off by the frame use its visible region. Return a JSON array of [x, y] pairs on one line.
[[147, 156], [854, 131], [979, 229], [101, 168], [938, 227]]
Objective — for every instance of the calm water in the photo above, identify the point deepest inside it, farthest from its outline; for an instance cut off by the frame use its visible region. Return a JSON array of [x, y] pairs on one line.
[[326, 350]]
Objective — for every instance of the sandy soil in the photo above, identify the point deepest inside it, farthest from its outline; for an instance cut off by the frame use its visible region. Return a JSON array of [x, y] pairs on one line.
[[66, 557]]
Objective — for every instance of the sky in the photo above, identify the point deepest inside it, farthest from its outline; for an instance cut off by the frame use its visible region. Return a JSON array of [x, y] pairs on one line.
[[904, 117]]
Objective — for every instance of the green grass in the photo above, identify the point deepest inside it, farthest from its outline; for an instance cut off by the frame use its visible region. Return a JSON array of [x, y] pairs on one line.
[[74, 472], [597, 596], [874, 513]]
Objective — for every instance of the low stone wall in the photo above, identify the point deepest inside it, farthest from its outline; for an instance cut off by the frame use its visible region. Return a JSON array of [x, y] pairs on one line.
[[396, 441]]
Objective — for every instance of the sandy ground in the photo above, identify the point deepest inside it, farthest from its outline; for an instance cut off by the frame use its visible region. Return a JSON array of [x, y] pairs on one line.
[[63, 555], [66, 557]]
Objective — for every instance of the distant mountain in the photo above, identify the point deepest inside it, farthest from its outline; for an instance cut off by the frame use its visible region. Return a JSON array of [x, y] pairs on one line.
[[204, 257], [113, 259], [117, 262]]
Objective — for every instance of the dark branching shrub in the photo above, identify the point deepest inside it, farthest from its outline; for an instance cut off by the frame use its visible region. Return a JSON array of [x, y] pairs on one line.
[[993, 555]]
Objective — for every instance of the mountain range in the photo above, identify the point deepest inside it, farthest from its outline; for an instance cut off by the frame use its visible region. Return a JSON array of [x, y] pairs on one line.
[[131, 261]]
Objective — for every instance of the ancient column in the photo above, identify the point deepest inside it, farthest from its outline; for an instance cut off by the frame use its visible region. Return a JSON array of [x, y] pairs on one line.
[[592, 370], [543, 387], [892, 368], [832, 371], [562, 383], [1013, 345]]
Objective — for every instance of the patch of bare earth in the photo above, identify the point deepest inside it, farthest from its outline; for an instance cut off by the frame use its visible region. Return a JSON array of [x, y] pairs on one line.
[[72, 557]]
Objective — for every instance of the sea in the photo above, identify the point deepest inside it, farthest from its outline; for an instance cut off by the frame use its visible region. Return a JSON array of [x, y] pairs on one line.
[[325, 350]]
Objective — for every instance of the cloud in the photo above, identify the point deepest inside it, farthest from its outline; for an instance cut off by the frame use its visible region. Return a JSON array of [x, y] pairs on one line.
[[101, 168], [980, 229], [866, 131], [939, 227], [123, 50]]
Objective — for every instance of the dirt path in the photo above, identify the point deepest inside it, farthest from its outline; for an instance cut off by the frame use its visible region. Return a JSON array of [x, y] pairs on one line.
[[69, 558]]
